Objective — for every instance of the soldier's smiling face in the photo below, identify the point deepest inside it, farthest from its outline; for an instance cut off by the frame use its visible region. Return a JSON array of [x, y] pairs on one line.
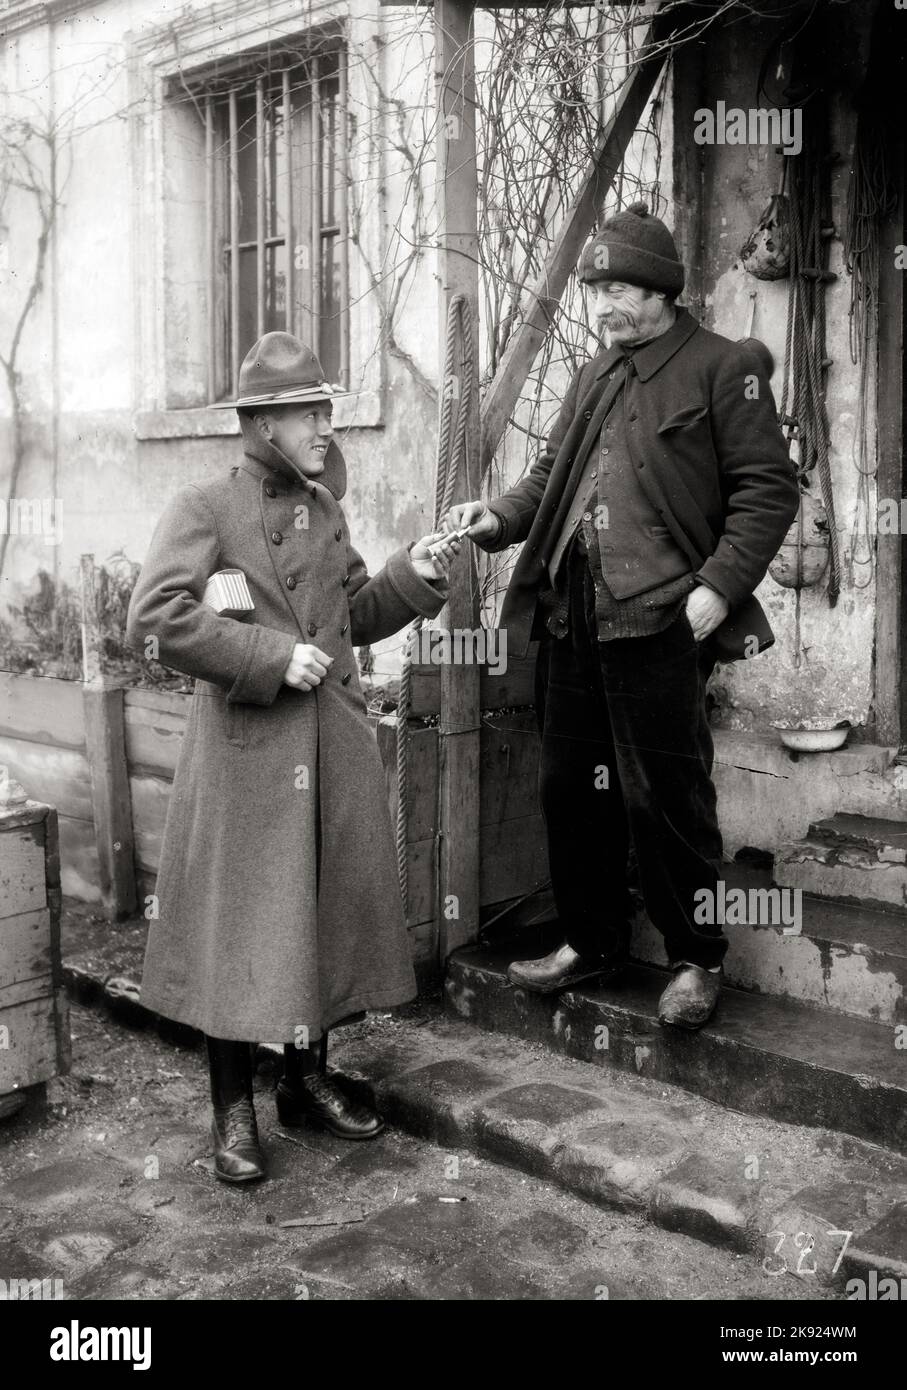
[[302, 432], [630, 313]]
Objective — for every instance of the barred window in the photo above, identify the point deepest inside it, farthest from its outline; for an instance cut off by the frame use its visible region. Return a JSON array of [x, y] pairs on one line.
[[276, 233]]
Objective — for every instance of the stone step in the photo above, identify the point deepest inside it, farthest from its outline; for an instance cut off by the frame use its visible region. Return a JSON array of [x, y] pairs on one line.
[[846, 864], [759, 1054], [742, 1182], [888, 837], [846, 957]]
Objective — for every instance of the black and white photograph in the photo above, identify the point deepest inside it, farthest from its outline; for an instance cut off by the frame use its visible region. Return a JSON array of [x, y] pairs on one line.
[[453, 671]]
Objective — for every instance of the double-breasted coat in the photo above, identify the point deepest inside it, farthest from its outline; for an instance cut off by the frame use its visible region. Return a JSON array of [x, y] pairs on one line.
[[278, 899]]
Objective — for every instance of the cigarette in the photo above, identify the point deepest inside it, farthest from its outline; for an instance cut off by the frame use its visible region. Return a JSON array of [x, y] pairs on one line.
[[450, 536]]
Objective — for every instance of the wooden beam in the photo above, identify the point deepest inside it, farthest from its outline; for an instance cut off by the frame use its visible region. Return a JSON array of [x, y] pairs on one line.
[[111, 799], [458, 267], [890, 687], [545, 295], [105, 749]]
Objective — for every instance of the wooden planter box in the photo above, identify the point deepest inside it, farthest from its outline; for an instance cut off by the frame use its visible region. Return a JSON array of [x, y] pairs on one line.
[[42, 742], [34, 1021]]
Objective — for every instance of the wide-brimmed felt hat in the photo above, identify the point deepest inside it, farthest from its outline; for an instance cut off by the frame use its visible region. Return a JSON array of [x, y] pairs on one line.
[[281, 370]]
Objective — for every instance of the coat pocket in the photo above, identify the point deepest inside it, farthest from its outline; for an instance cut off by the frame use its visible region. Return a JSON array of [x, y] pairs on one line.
[[235, 723], [683, 419]]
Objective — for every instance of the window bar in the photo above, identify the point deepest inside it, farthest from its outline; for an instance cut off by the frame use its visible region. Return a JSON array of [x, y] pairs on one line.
[[344, 223], [315, 233], [289, 233], [260, 205], [234, 245], [209, 248]]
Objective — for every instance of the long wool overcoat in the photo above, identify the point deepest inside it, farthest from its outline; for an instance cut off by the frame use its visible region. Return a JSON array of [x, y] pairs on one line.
[[278, 899]]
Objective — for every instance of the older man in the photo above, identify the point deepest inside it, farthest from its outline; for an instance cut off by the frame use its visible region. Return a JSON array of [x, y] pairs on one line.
[[649, 519]]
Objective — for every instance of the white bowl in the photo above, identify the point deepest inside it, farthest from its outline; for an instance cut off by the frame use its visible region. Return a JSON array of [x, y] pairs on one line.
[[814, 740]]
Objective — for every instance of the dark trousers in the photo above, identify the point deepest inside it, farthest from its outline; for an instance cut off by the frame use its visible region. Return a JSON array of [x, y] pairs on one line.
[[626, 758]]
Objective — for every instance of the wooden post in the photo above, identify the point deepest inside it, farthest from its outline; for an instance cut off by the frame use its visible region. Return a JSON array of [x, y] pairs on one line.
[[890, 685], [105, 748], [458, 243]]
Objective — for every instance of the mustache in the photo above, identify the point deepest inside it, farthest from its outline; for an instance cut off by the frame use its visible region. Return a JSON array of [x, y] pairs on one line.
[[623, 320]]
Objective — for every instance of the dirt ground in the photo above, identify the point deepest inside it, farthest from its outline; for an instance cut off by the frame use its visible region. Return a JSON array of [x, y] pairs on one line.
[[111, 1193]]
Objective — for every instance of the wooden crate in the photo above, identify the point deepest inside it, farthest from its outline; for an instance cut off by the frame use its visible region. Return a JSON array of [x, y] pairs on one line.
[[34, 1019]]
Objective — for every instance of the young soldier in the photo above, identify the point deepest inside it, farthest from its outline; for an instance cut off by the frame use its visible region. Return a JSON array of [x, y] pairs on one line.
[[279, 906]]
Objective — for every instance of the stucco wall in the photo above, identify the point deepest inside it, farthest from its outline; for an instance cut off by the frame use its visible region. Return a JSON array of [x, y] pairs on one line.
[[115, 345], [834, 678]]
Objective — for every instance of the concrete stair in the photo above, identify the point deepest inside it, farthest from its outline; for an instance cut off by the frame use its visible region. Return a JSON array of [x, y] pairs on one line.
[[854, 859], [812, 1026], [850, 958], [761, 1054]]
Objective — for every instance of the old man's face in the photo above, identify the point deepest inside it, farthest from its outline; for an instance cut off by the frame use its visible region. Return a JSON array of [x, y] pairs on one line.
[[625, 313]]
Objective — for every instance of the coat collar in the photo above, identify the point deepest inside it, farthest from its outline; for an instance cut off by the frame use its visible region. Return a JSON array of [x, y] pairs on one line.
[[265, 460], [651, 358]]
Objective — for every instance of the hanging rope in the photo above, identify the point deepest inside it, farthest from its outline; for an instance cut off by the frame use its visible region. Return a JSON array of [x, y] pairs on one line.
[[869, 199], [806, 361], [457, 389]]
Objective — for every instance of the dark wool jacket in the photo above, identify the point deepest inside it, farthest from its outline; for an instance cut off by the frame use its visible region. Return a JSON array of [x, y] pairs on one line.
[[708, 451]]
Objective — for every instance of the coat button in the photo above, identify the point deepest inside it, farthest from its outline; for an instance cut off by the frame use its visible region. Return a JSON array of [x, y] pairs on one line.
[[276, 537], [345, 580], [270, 491], [345, 680], [312, 629], [338, 534], [344, 629], [291, 582], [587, 415]]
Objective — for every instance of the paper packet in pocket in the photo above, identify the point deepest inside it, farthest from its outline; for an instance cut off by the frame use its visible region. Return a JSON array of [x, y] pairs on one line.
[[227, 592]]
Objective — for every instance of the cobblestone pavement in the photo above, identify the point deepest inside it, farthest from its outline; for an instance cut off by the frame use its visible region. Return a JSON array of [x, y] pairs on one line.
[[109, 1193]]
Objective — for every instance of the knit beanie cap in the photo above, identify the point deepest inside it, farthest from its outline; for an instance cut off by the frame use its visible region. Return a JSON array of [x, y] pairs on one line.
[[635, 247]]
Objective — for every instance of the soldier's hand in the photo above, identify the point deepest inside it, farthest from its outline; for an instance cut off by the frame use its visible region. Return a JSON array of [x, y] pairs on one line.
[[307, 667], [483, 524], [433, 555]]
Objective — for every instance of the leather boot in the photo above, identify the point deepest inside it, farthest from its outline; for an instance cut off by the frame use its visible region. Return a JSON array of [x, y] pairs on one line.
[[307, 1093], [237, 1150]]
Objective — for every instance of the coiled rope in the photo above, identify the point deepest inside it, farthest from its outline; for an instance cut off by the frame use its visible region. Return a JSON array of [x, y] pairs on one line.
[[870, 197], [805, 357], [457, 389]]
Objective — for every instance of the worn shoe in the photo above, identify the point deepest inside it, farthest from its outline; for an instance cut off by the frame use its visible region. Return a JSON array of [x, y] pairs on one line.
[[560, 969], [689, 1000], [237, 1150], [319, 1099]]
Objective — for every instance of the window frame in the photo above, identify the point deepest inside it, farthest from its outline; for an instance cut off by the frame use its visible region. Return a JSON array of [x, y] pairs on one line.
[[167, 217], [295, 80]]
